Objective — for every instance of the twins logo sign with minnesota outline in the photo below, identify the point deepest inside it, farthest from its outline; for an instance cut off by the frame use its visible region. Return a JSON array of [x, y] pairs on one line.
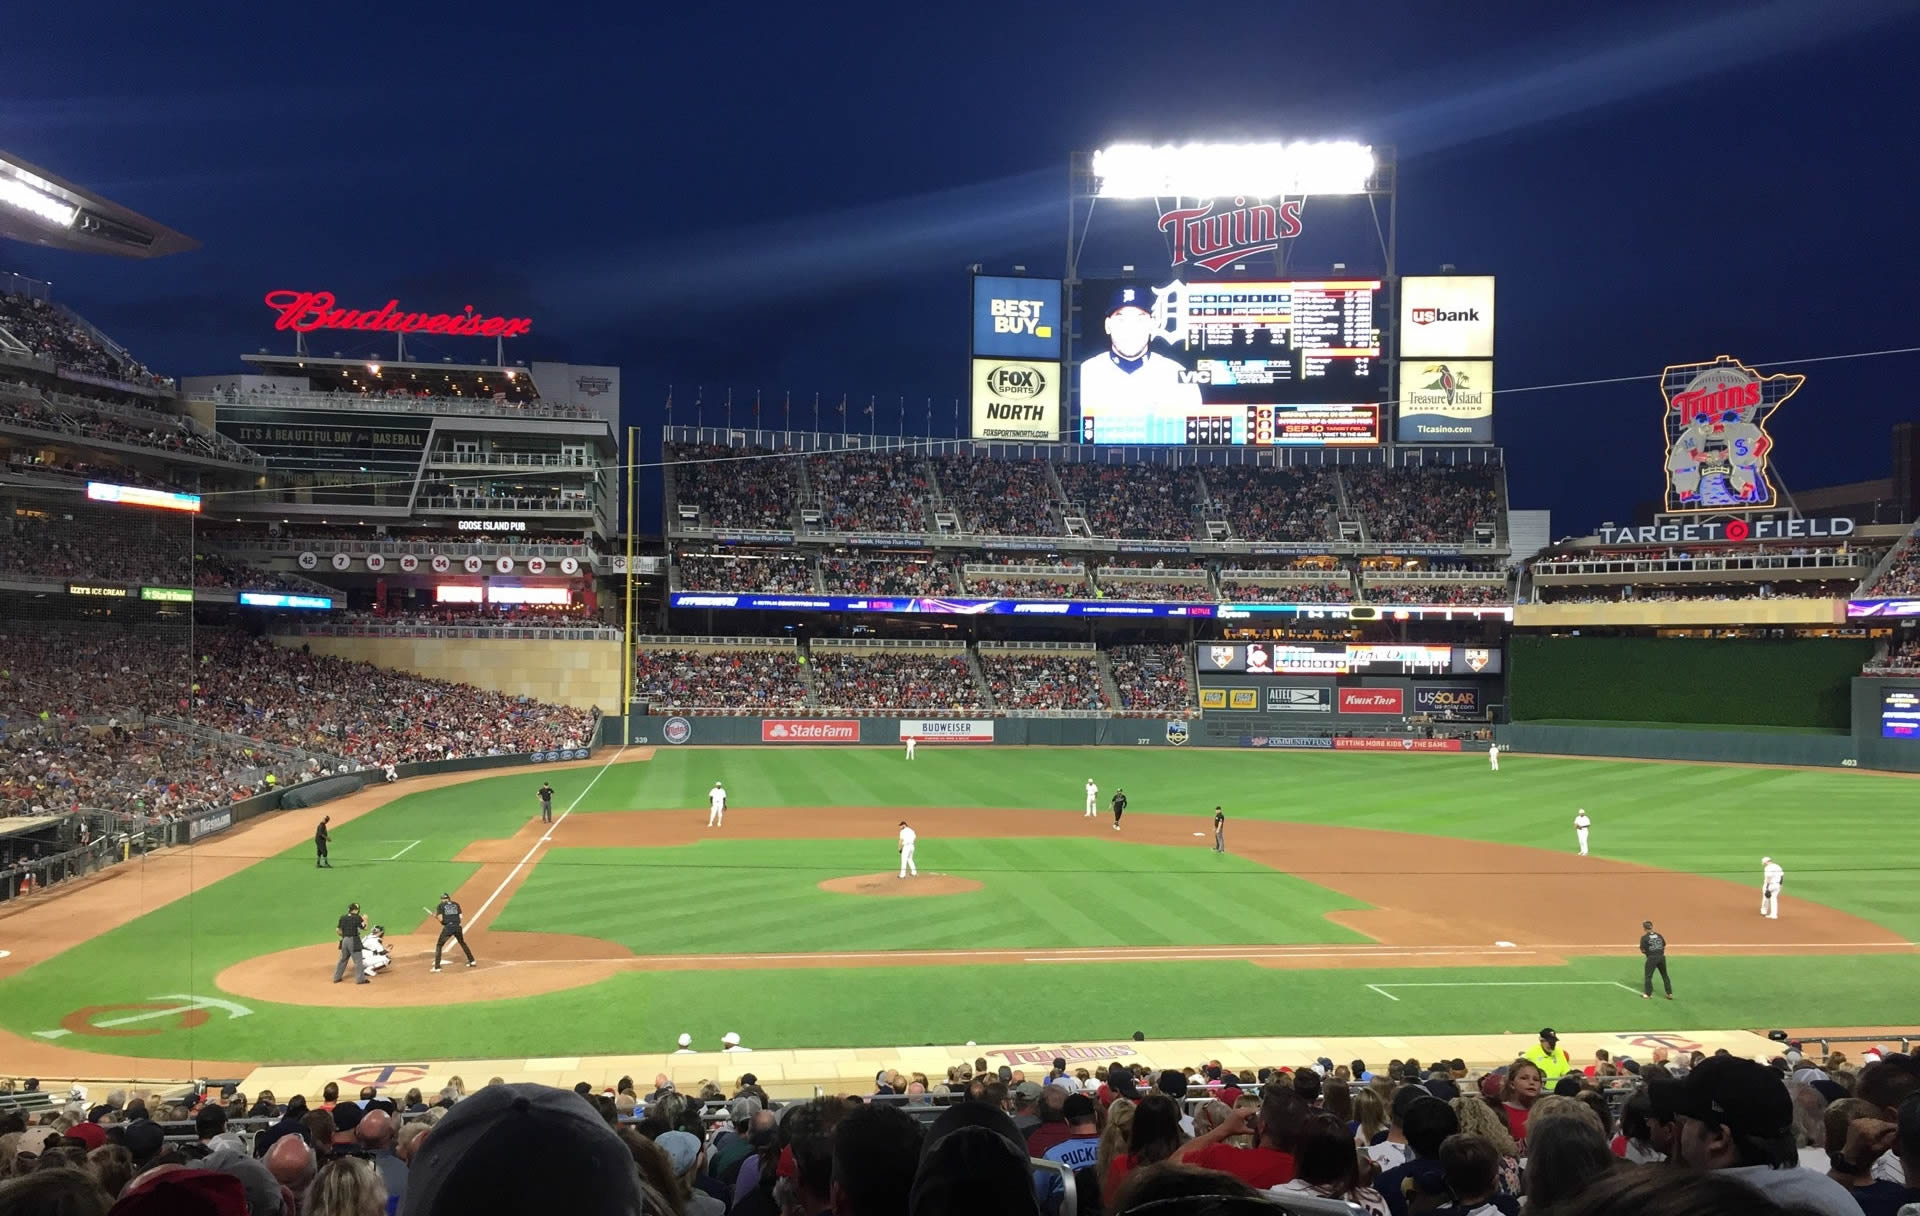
[[1716, 436]]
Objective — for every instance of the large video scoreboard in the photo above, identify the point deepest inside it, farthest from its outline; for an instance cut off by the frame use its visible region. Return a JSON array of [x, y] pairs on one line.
[[1273, 363]]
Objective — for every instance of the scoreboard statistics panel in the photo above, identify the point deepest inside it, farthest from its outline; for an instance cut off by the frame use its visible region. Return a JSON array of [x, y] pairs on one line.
[[1340, 659], [1262, 363]]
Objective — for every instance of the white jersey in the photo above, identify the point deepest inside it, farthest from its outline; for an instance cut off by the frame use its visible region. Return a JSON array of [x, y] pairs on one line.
[[1582, 822], [1093, 793], [1129, 391], [717, 799], [907, 838], [1771, 877]]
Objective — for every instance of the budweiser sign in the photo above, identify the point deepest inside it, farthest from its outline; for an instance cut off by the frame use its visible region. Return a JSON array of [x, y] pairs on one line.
[[305, 311], [1214, 239]]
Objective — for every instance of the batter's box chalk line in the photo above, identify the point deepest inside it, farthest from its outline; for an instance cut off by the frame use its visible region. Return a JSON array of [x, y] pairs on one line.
[[1382, 988]]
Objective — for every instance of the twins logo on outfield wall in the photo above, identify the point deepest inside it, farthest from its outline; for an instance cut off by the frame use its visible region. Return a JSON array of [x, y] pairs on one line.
[[676, 730], [1177, 733]]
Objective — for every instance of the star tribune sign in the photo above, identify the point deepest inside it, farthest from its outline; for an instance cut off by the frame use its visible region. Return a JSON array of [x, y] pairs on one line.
[[1718, 448]]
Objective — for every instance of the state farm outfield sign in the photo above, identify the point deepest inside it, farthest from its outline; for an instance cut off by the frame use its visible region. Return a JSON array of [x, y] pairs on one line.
[[809, 730], [946, 730]]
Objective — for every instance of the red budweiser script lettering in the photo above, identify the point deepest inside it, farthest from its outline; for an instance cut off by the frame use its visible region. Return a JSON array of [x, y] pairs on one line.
[[1373, 700], [807, 730], [1213, 240], [305, 311]]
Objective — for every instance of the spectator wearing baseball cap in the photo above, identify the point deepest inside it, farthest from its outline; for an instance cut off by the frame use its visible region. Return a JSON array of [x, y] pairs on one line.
[[876, 1154], [684, 1153], [973, 1161], [1736, 1119], [1174, 1084], [1549, 1057], [522, 1148], [1076, 1150]]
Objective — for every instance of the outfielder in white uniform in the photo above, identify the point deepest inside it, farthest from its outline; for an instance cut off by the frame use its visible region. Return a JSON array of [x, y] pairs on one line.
[[1129, 382], [716, 805], [907, 838], [1093, 793], [1771, 876], [910, 742], [1493, 756], [1580, 825]]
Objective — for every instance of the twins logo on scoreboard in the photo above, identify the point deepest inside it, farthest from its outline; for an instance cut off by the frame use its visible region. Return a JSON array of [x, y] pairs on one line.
[[1718, 449]]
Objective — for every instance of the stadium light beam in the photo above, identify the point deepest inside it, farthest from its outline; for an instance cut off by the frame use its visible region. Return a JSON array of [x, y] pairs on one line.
[[1268, 170], [18, 194]]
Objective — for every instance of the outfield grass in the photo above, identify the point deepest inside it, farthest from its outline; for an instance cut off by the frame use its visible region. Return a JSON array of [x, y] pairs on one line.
[[1035, 893], [1843, 835]]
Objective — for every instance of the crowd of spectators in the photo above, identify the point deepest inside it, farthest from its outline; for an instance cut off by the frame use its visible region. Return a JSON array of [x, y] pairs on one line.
[[894, 574], [162, 433], [1319, 591], [745, 570], [1901, 658], [999, 497], [59, 766], [1902, 575], [50, 333], [1135, 502], [1152, 678], [736, 487], [1025, 680], [1645, 593], [1033, 587], [1423, 503], [869, 491], [1673, 1135], [1402, 591], [78, 541], [917, 680], [1275, 504], [746, 680], [1195, 590]]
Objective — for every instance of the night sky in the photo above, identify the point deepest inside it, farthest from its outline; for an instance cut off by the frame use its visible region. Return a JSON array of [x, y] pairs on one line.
[[786, 197]]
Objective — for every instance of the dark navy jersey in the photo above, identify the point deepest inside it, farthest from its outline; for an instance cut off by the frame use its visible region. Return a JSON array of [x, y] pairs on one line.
[[1653, 945], [449, 913]]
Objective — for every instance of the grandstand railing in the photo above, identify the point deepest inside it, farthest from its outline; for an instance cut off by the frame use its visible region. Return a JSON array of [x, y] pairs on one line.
[[1048, 571], [885, 644], [456, 406], [524, 506], [401, 629], [296, 545], [679, 642], [444, 458], [1040, 647], [1828, 563], [676, 529], [296, 756], [1433, 576]]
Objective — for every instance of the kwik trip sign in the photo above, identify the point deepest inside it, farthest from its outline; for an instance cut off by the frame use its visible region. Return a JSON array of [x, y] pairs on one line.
[[1230, 201], [303, 312]]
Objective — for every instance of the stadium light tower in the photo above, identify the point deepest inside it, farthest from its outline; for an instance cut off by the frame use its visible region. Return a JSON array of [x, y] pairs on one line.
[[41, 209]]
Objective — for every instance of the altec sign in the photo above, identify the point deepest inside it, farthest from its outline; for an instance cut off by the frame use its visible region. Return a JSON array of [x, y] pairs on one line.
[[306, 311], [808, 730]]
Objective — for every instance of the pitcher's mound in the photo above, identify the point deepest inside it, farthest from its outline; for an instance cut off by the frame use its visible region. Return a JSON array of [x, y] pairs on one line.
[[893, 884]]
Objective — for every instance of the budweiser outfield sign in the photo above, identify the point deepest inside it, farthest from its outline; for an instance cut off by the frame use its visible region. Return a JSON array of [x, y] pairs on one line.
[[1373, 701], [947, 730], [809, 730]]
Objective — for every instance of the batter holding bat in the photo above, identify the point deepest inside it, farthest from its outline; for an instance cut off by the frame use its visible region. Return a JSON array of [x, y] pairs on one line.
[[449, 914]]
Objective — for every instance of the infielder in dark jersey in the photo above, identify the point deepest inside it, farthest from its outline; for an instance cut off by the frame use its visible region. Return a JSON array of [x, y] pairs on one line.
[[546, 802], [1654, 947], [320, 845], [1219, 830], [1119, 807], [449, 914]]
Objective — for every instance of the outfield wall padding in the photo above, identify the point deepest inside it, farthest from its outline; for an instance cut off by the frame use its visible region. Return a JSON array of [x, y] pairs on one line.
[[1739, 681], [1718, 747], [313, 793]]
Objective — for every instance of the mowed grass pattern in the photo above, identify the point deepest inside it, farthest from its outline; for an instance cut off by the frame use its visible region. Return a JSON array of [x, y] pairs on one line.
[[750, 896]]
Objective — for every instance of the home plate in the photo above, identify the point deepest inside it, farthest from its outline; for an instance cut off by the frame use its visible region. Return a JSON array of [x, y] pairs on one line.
[[1504, 945]]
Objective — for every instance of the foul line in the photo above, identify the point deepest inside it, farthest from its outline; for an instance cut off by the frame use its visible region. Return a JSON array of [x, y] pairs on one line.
[[402, 852], [519, 865], [1382, 988]]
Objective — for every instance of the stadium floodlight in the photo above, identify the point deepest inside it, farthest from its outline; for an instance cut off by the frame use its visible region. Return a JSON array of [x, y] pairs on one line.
[[1269, 170], [18, 194]]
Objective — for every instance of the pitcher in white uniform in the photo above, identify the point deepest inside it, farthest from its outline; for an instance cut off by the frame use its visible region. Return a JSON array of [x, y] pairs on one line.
[[1580, 825], [1493, 756], [716, 805], [910, 742], [1093, 793], [907, 838], [1771, 876]]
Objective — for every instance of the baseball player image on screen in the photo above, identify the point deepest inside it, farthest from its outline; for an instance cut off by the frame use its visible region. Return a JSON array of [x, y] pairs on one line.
[[1129, 381]]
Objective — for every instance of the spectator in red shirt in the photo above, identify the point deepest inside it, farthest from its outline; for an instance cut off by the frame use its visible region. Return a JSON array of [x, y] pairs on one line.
[[1523, 1087], [1270, 1161], [1154, 1137]]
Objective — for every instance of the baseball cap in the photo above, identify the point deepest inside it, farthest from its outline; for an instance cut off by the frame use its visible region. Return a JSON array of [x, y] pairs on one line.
[[1078, 1108], [730, 1039], [90, 1134], [681, 1148], [973, 1114], [35, 1139], [261, 1187], [1171, 1083], [973, 1161], [743, 1109], [685, 1040], [1548, 1035], [522, 1148], [1130, 297], [1744, 1096], [143, 1138], [1027, 1089], [183, 1192]]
